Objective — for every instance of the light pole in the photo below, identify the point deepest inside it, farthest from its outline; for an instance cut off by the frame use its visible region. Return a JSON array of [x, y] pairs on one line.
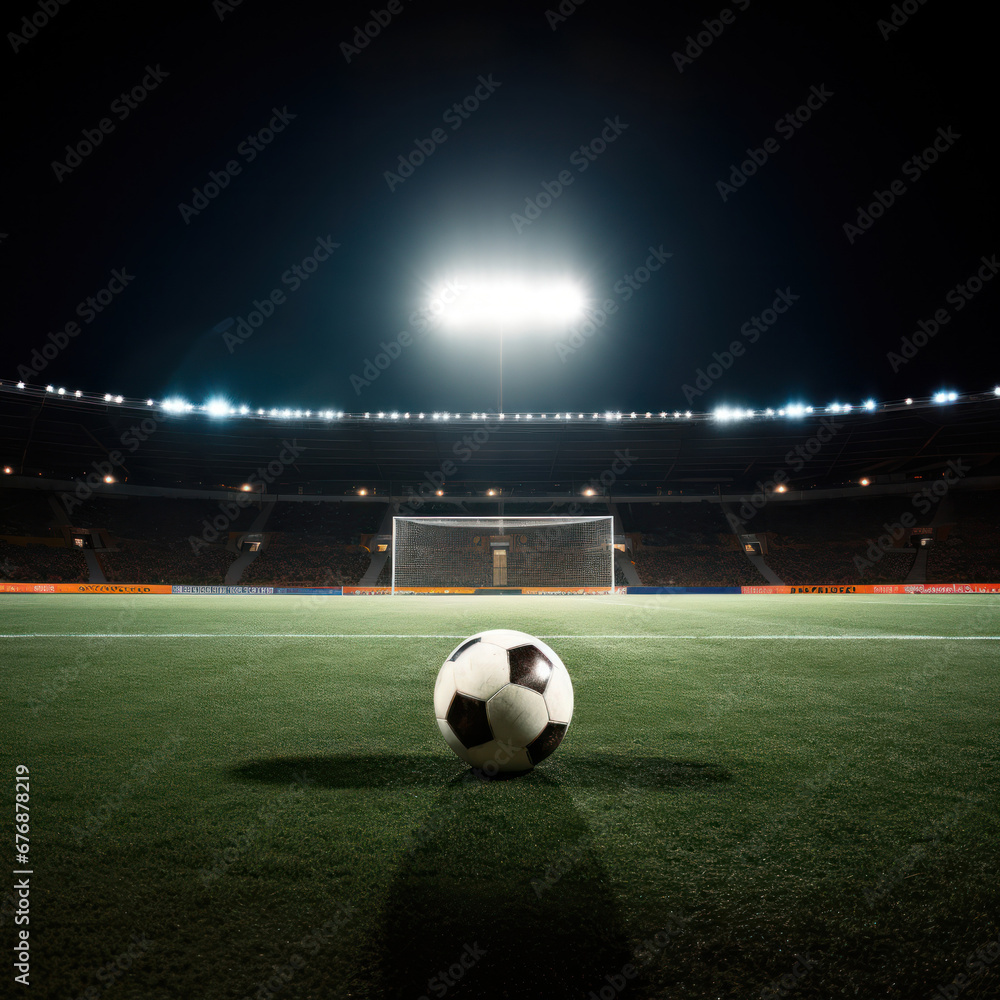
[[505, 304]]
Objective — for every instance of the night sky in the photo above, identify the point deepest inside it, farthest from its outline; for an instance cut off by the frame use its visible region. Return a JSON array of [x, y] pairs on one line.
[[672, 117]]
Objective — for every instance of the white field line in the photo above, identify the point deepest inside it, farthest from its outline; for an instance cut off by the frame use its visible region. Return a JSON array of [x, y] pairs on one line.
[[385, 635]]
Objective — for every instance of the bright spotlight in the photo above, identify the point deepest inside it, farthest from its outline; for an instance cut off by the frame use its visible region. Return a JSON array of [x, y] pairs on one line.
[[217, 408], [509, 303], [865, 481], [109, 479]]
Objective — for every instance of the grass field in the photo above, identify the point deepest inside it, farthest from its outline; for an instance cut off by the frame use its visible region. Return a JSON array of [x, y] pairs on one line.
[[230, 792]]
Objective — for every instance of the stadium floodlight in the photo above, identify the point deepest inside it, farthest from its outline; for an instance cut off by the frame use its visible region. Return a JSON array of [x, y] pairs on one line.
[[20, 385], [908, 401], [996, 390], [865, 481], [507, 305], [7, 470], [558, 553], [217, 408], [61, 391], [869, 404], [175, 405]]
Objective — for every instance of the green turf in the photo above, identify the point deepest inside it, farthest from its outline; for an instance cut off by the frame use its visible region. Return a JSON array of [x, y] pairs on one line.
[[749, 799]]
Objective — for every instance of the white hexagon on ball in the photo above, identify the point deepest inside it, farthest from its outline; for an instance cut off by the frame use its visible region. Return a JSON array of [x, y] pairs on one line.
[[503, 701]]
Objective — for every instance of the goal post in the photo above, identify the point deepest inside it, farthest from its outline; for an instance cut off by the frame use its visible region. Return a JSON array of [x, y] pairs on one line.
[[561, 553]]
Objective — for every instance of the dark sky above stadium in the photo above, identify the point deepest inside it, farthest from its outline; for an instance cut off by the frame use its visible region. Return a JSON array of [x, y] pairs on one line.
[[766, 164]]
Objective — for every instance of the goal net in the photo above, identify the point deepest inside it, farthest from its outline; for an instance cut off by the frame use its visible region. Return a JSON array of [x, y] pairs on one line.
[[559, 552]]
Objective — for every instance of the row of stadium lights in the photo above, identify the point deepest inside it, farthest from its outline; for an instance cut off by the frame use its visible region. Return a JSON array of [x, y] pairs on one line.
[[222, 408]]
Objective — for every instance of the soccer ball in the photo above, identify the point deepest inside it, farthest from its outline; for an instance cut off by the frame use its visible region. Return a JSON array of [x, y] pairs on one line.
[[503, 701]]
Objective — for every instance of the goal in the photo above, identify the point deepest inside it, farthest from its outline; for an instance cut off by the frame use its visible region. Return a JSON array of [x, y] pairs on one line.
[[561, 553]]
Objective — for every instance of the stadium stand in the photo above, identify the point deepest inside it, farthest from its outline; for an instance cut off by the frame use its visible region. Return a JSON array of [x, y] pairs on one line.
[[971, 551], [41, 564], [300, 561]]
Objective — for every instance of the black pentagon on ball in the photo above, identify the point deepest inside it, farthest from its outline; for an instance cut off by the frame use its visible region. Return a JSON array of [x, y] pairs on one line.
[[546, 741], [469, 722], [529, 667]]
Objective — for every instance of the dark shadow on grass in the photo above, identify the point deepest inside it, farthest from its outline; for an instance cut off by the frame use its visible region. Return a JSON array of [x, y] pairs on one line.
[[386, 770], [500, 893]]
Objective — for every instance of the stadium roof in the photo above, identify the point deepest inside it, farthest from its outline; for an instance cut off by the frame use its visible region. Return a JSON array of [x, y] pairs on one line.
[[64, 436]]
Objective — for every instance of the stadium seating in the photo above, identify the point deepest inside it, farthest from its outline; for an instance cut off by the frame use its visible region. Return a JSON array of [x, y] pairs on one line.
[[41, 564]]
